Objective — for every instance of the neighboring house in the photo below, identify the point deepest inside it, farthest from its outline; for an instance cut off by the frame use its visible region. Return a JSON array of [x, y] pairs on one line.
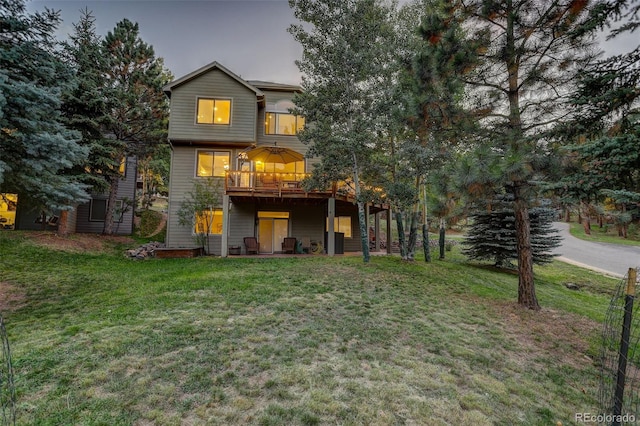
[[17, 213], [216, 119]]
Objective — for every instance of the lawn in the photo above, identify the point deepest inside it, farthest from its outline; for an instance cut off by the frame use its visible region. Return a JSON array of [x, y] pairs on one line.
[[606, 234], [98, 339]]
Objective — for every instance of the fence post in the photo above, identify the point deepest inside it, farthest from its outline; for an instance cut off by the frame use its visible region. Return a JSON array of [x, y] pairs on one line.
[[624, 347]]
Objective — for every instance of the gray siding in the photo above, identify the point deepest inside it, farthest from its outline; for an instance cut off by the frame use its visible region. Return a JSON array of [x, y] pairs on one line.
[[242, 223], [215, 84], [292, 142], [183, 171], [308, 221], [78, 220], [126, 189]]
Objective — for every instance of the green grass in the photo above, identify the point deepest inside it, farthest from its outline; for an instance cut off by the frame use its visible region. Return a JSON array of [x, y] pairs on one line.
[[98, 339], [607, 234]]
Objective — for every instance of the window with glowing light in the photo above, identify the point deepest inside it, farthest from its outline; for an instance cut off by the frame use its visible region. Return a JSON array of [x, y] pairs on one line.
[[209, 222], [212, 163], [213, 111], [341, 224], [277, 123]]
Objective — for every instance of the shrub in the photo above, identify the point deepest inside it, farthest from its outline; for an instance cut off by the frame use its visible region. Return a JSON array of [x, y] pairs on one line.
[[149, 222]]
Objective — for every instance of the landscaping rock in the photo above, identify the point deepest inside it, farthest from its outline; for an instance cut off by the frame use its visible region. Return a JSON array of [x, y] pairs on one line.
[[572, 286], [144, 251]]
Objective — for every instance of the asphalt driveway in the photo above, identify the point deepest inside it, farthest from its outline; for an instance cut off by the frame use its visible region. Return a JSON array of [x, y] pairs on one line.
[[610, 259]]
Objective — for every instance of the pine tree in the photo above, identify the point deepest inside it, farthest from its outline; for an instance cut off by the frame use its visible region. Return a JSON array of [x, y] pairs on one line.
[[138, 108], [603, 139], [527, 65], [36, 149]]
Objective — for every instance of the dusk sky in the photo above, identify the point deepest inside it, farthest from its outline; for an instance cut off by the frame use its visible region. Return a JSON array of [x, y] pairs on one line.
[[249, 37]]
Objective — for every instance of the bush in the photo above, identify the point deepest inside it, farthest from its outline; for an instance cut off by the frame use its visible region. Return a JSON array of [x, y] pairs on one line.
[[149, 222]]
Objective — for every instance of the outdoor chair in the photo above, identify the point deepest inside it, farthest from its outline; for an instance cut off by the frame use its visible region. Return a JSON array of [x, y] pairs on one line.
[[289, 245], [251, 243]]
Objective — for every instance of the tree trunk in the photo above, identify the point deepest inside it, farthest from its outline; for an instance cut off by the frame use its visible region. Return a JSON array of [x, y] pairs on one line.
[[63, 223], [441, 237], [111, 204], [586, 219], [43, 220], [425, 243], [401, 238], [413, 236], [364, 234], [526, 286], [567, 215]]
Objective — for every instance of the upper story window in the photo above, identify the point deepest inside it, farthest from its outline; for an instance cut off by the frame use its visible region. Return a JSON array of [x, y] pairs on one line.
[[278, 123], [213, 111], [123, 166], [212, 163]]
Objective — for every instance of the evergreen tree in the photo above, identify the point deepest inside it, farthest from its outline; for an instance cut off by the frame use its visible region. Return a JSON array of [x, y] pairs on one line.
[[85, 101], [138, 108], [528, 62], [492, 234], [36, 149], [604, 137], [434, 96]]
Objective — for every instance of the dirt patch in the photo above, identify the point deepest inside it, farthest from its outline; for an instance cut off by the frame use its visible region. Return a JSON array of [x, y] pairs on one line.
[[77, 243], [564, 335], [11, 298]]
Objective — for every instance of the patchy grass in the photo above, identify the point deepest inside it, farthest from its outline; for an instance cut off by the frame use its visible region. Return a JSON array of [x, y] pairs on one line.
[[100, 339], [606, 234]]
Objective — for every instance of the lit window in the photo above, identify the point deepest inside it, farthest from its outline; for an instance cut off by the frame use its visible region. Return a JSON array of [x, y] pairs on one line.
[[214, 111], [209, 220], [283, 124], [123, 166], [212, 163], [341, 224]]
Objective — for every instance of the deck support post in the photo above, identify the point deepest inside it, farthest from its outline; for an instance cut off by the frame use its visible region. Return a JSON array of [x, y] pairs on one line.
[[376, 224], [389, 240], [331, 236], [225, 226]]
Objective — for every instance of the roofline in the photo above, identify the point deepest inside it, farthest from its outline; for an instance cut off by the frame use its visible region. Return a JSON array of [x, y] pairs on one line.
[[268, 85], [213, 65]]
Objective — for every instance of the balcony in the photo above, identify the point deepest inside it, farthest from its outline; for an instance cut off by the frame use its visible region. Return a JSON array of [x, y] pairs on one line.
[[265, 184]]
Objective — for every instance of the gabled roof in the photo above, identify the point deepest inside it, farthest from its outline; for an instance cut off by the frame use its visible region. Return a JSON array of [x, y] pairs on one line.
[[212, 66]]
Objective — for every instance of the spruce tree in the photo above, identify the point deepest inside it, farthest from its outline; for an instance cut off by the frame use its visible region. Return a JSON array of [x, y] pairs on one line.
[[492, 235], [85, 102], [36, 149]]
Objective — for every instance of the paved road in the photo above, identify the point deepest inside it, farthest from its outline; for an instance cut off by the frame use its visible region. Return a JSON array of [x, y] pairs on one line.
[[611, 259]]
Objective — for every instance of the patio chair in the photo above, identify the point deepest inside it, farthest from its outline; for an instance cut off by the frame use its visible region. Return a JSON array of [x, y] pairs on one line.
[[289, 245], [251, 243]]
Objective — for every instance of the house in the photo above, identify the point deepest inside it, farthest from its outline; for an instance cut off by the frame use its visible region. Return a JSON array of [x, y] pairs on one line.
[[217, 121], [17, 212]]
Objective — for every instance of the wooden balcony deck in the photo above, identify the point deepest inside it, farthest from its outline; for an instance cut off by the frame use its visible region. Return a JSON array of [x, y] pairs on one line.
[[265, 184]]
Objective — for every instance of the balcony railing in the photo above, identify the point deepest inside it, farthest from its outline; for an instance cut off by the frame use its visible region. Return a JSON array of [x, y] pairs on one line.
[[264, 181], [276, 183]]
